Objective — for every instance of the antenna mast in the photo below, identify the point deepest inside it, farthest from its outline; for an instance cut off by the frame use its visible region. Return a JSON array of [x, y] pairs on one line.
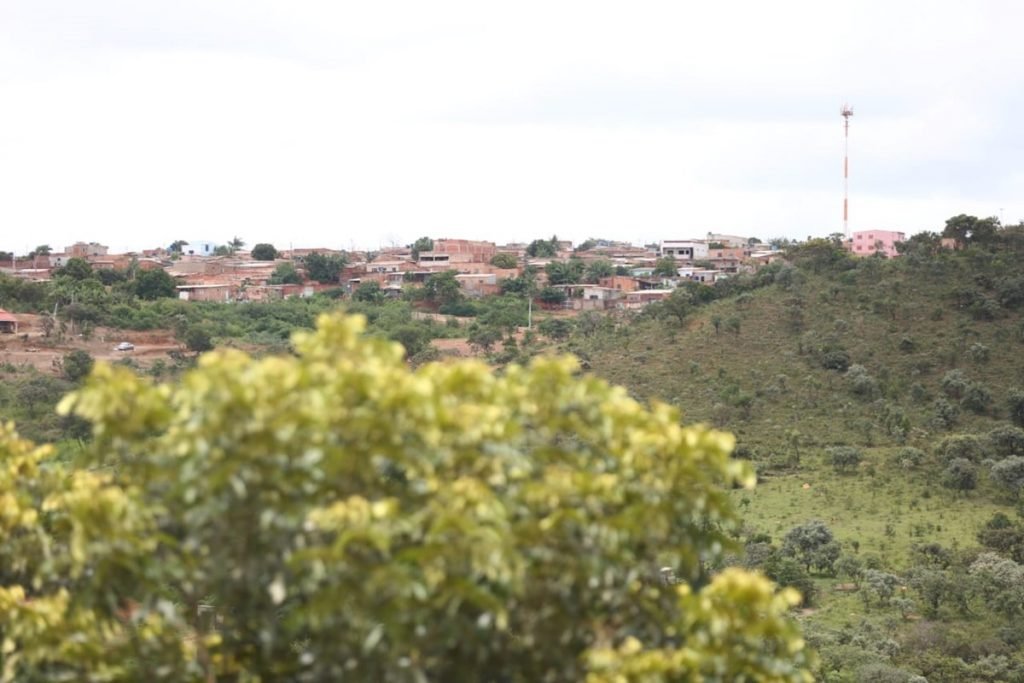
[[846, 112]]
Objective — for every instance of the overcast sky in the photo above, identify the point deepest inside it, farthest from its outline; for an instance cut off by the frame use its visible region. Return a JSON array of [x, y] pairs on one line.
[[342, 123]]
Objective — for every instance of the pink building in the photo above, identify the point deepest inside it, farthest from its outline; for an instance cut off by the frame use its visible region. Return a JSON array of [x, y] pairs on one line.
[[868, 242]]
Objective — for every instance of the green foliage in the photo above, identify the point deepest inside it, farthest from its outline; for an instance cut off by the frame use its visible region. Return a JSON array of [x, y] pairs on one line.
[[1015, 404], [666, 267], [76, 365], [844, 459], [1005, 440], [595, 270], [552, 295], [504, 260], [198, 339], [543, 248], [813, 545], [964, 446], [483, 337], [443, 288], [285, 274], [421, 245], [262, 522], [369, 292], [75, 269], [263, 252], [1009, 474], [960, 474], [971, 229], [154, 284], [555, 328], [324, 268], [565, 272]]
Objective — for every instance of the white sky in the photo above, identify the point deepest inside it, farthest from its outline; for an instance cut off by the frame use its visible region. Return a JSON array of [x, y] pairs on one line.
[[342, 123]]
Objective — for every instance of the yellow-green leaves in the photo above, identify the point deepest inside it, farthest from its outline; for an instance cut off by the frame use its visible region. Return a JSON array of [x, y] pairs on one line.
[[336, 515]]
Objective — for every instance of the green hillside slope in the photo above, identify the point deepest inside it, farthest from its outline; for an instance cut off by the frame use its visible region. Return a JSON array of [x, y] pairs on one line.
[[875, 396]]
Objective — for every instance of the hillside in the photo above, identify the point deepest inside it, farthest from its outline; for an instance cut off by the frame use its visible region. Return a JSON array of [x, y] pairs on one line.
[[874, 396]]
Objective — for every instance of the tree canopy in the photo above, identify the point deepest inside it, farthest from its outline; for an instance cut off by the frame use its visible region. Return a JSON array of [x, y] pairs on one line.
[[420, 245], [543, 248], [324, 268], [337, 515], [264, 252]]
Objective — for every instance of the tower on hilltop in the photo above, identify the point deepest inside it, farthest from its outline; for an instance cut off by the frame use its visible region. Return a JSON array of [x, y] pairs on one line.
[[846, 111]]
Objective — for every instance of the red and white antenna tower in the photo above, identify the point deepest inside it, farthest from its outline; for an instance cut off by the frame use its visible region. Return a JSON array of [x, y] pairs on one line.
[[846, 112]]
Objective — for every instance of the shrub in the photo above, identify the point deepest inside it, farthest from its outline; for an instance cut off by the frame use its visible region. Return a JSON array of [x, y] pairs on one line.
[[1015, 403], [1006, 440], [977, 398], [844, 458], [954, 384], [836, 359], [908, 458], [945, 414], [979, 353], [861, 383], [77, 364], [960, 475], [352, 491], [965, 446]]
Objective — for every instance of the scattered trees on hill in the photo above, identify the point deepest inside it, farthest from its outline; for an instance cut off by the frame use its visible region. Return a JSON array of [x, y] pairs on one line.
[[971, 229], [813, 545], [264, 252]]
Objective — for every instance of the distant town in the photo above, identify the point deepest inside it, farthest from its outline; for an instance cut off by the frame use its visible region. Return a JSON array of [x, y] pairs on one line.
[[593, 275]]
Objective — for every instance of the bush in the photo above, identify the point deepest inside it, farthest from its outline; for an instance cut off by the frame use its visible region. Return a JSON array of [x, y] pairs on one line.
[[960, 475], [909, 458], [1009, 474], [844, 458], [1015, 403], [836, 359], [954, 384], [977, 398], [77, 364], [964, 446], [334, 515], [945, 414], [1006, 440], [861, 383]]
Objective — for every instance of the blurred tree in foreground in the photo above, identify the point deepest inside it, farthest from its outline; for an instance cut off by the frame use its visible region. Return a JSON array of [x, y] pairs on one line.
[[334, 515]]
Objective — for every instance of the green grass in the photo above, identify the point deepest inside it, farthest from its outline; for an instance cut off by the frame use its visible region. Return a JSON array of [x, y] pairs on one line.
[[886, 514]]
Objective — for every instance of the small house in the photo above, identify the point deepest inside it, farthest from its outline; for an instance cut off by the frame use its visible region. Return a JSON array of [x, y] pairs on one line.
[[8, 323]]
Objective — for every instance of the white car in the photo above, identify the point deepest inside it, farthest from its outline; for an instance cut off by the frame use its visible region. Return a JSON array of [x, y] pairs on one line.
[[124, 346]]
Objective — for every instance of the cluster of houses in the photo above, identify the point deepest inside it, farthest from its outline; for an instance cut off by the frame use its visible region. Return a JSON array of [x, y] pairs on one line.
[[204, 274]]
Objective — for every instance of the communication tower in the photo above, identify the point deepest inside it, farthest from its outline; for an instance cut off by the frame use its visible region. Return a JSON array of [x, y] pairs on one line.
[[846, 112]]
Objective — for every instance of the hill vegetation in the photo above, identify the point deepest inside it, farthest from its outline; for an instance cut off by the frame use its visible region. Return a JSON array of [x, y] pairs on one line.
[[880, 402]]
